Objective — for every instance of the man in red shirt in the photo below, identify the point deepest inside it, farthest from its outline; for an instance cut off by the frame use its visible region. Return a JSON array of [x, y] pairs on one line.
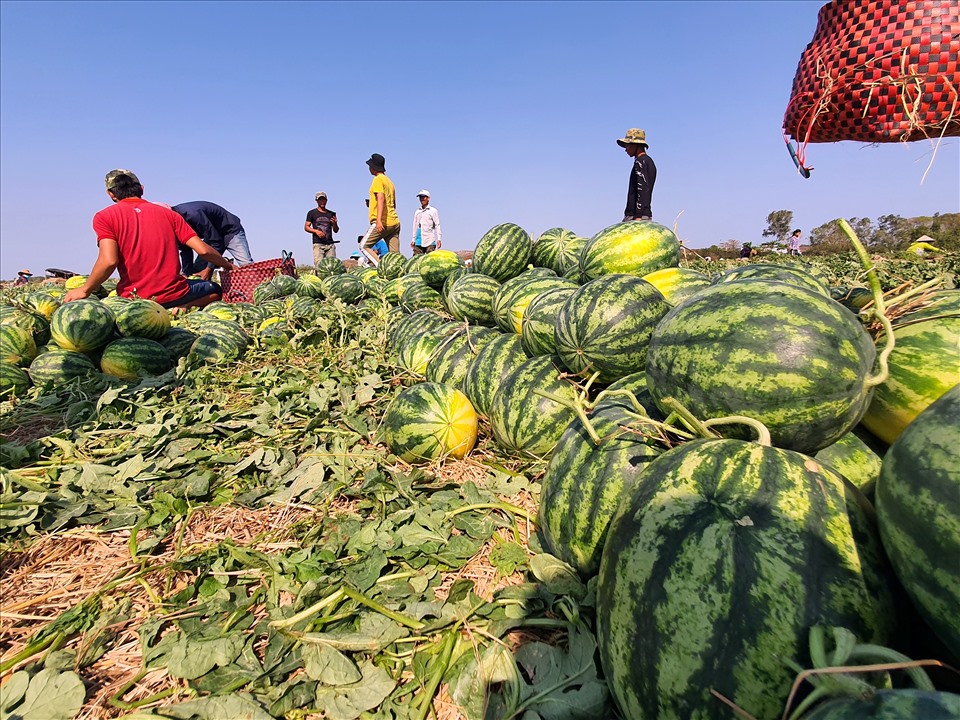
[[139, 240]]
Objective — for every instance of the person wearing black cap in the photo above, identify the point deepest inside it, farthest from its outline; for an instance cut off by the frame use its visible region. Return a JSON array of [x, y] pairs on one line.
[[384, 221]]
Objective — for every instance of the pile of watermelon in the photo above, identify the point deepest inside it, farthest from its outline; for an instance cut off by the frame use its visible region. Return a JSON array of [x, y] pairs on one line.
[[705, 455]]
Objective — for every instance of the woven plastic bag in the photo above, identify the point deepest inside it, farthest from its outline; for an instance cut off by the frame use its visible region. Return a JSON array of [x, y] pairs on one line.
[[876, 72], [238, 285]]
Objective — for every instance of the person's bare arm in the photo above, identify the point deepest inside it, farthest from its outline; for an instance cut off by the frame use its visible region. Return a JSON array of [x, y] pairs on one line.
[[107, 260], [208, 253]]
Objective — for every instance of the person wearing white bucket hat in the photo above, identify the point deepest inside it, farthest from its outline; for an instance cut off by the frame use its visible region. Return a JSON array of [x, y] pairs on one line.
[[643, 175], [427, 235]]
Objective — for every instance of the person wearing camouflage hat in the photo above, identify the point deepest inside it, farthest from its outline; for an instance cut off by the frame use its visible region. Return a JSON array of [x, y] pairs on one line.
[[643, 175], [139, 240]]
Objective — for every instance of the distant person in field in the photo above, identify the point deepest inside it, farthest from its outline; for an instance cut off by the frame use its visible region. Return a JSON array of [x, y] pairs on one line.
[[218, 228], [643, 176], [23, 277], [384, 221], [793, 246], [427, 235], [747, 251], [322, 224], [140, 240]]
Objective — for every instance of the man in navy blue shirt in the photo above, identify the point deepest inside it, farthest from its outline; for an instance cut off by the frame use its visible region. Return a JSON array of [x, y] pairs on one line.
[[218, 228]]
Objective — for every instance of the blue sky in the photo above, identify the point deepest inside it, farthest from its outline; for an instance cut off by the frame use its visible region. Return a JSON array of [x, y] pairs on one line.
[[506, 112]]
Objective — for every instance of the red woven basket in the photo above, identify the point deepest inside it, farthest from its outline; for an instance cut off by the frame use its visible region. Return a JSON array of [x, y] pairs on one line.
[[238, 285], [878, 71]]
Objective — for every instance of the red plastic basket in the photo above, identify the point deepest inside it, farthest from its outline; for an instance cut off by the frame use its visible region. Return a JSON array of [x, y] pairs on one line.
[[238, 285]]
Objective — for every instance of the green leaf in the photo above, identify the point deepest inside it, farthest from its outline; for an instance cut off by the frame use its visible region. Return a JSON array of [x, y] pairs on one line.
[[331, 667], [508, 557], [347, 702], [51, 695], [192, 658], [14, 689], [558, 577], [238, 706]]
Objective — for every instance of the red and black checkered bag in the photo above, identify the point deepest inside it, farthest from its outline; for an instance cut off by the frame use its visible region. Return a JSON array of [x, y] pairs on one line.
[[878, 71], [238, 285]]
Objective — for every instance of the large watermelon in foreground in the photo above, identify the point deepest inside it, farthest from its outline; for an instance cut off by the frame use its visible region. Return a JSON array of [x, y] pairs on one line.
[[897, 704], [918, 510], [635, 248], [721, 557], [430, 421], [82, 325], [132, 358], [789, 357]]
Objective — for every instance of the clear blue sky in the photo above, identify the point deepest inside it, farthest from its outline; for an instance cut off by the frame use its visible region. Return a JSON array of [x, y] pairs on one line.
[[506, 112]]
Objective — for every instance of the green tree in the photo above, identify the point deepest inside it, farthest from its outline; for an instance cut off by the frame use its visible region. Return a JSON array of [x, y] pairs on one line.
[[779, 224]]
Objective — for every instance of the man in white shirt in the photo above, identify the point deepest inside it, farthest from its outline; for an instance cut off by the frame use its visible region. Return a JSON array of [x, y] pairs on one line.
[[427, 236]]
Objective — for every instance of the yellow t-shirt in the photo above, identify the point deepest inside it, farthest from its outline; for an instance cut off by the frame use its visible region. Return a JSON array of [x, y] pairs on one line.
[[382, 184]]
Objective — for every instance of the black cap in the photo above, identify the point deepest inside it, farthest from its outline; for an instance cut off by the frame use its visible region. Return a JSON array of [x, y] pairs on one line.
[[377, 162]]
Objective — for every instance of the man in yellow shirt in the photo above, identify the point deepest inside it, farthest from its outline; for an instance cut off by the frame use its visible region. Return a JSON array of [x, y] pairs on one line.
[[384, 221]]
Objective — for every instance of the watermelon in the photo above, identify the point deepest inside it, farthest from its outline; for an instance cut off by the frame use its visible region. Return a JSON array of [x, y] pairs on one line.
[[470, 298], [264, 292], [676, 284], [539, 318], [605, 326], [395, 288], [558, 249], [287, 285], [636, 385], [413, 265], [514, 296], [60, 366], [852, 458], [82, 325], [896, 704], [213, 350], [329, 266], [418, 295], [492, 365], [789, 357], [503, 252], [391, 265], [178, 341], [720, 558], [309, 285], [226, 330], [924, 364], [919, 514], [584, 483], [17, 346], [854, 299], [634, 248], [35, 323], [144, 318], [437, 266], [416, 322], [14, 380], [416, 349], [430, 421], [42, 303], [222, 310], [131, 358], [523, 421], [769, 271], [348, 288], [450, 361]]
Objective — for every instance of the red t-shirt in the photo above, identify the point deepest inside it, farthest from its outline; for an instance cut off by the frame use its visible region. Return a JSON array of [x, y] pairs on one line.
[[149, 257]]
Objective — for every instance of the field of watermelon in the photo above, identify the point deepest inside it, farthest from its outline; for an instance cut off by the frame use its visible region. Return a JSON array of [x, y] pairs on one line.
[[575, 479]]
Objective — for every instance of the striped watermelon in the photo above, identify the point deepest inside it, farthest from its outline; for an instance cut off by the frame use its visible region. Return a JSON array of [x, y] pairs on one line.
[[470, 298], [770, 271], [345, 287], [17, 346], [787, 356], [720, 558], [330, 266], [450, 361], [34, 322], [492, 365], [636, 385], [82, 325], [634, 248], [222, 310], [413, 324], [213, 350], [503, 252], [287, 285], [178, 341], [227, 330], [584, 483], [430, 421], [852, 458], [60, 366], [412, 265], [392, 265], [539, 318], [676, 284], [919, 514], [437, 266], [131, 358], [143, 318], [264, 292], [394, 289], [14, 380], [924, 364], [895, 704], [309, 285], [605, 326], [418, 295], [514, 296], [524, 422], [43, 303], [558, 249], [415, 350]]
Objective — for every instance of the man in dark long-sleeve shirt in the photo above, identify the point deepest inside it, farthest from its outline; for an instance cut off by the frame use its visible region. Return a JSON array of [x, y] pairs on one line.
[[217, 227], [643, 175]]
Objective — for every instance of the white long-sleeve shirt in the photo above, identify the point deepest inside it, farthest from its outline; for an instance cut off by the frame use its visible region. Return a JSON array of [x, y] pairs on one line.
[[427, 220]]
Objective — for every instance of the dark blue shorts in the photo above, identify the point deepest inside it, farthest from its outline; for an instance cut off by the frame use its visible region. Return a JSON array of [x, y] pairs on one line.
[[198, 289]]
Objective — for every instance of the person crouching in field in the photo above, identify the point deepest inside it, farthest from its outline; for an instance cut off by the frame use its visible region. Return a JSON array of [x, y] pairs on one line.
[[139, 239]]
